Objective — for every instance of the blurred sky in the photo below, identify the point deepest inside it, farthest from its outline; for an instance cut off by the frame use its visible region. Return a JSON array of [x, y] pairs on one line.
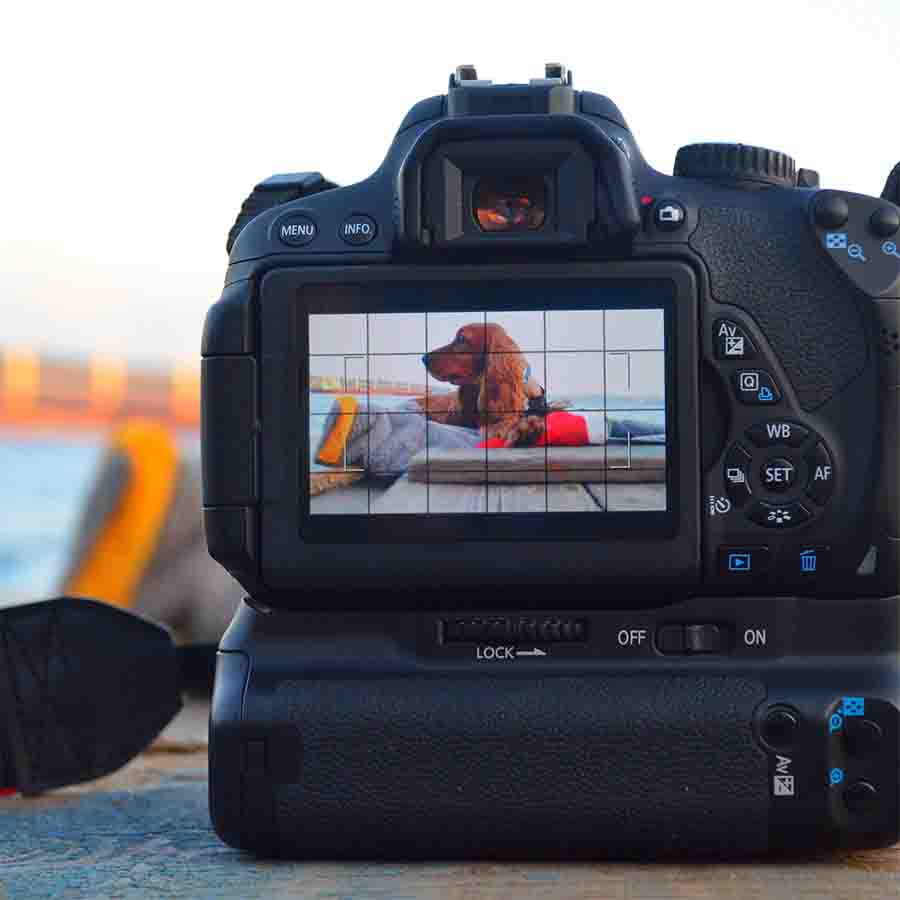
[[134, 131]]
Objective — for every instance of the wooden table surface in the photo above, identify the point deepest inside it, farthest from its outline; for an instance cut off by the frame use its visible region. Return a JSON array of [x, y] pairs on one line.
[[145, 832]]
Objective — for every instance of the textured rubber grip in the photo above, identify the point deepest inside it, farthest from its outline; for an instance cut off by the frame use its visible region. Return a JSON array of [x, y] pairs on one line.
[[768, 264], [506, 767]]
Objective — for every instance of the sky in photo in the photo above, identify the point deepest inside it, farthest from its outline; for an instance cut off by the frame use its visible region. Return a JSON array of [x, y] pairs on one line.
[[564, 348]]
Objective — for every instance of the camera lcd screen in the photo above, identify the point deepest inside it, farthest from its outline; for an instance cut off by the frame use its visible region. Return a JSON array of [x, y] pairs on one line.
[[515, 411]]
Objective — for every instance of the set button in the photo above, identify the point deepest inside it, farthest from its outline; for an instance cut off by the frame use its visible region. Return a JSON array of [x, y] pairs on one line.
[[778, 474]]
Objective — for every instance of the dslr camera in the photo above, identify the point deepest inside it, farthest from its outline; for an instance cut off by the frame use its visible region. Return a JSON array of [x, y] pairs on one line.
[[564, 493]]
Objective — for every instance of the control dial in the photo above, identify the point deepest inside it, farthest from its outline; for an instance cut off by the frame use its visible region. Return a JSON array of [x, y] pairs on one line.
[[736, 162]]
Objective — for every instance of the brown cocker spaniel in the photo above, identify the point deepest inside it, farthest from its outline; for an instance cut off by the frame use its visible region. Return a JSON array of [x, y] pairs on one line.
[[495, 390]]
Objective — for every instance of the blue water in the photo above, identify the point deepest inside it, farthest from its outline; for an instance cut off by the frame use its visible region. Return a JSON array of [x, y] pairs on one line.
[[43, 483]]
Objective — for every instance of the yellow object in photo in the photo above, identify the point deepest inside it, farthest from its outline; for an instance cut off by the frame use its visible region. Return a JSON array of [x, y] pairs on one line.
[[332, 449]]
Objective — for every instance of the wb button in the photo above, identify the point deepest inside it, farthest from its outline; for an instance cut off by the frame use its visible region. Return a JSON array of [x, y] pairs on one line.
[[743, 561]]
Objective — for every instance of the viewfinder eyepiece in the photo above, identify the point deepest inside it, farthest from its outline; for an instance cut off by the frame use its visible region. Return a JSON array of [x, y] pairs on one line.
[[510, 203]]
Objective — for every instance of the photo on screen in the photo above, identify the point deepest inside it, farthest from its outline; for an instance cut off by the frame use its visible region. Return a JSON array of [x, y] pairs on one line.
[[516, 411]]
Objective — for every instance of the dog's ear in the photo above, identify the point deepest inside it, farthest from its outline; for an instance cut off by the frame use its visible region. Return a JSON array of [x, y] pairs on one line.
[[502, 389]]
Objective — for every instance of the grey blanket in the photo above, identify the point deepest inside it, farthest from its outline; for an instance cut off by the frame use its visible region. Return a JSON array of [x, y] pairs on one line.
[[383, 440]]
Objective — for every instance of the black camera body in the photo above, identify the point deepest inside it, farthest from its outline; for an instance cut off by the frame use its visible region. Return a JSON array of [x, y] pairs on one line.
[[565, 494]]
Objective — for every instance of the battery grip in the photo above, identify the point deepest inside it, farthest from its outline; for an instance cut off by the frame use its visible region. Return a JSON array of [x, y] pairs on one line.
[[704, 728]]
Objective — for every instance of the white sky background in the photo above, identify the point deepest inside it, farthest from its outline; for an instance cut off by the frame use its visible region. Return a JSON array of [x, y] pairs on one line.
[[133, 132]]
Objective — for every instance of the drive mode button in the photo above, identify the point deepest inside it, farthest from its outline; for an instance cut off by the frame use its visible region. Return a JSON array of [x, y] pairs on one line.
[[357, 230]]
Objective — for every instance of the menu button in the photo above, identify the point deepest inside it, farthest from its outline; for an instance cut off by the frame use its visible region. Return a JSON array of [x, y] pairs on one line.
[[295, 230]]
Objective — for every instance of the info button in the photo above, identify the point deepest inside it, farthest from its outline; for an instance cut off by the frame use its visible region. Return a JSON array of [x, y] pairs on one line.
[[357, 230]]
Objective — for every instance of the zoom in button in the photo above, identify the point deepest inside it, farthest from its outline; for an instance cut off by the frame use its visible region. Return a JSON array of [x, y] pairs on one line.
[[756, 387]]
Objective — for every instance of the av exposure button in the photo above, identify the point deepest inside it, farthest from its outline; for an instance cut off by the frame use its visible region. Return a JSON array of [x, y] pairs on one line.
[[743, 561], [779, 728], [778, 474], [777, 432], [731, 341], [737, 475], [357, 230], [773, 515], [756, 387], [295, 230], [821, 474]]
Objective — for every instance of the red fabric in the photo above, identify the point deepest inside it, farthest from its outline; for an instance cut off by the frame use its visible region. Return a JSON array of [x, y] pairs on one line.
[[8, 792], [561, 429]]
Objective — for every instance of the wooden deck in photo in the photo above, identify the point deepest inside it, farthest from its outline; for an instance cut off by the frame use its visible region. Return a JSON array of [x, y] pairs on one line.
[[512, 480]]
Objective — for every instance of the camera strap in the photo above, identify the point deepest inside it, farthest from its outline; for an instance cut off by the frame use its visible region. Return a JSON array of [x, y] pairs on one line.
[[84, 688]]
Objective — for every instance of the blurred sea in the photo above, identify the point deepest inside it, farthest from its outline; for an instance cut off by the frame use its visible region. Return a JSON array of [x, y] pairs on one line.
[[43, 482]]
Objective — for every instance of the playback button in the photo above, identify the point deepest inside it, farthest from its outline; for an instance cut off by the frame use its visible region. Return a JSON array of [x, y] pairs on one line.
[[741, 562]]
